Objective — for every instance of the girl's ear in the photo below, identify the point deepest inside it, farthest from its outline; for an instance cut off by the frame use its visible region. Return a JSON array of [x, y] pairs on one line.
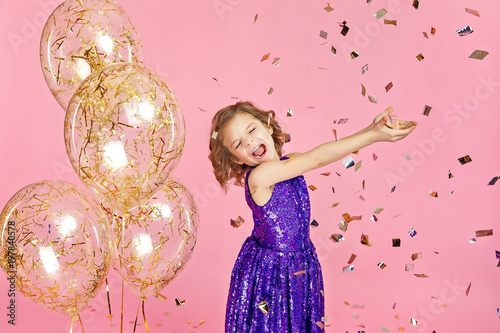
[[269, 129]]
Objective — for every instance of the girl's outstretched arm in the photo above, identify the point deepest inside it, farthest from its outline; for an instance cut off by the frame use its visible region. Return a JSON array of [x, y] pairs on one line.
[[270, 173]]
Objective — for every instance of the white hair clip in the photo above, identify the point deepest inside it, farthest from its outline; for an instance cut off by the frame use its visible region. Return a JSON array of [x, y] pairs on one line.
[[214, 135]]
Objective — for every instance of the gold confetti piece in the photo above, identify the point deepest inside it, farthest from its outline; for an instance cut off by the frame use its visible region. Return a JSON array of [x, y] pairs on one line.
[[416, 256], [238, 222], [161, 297], [364, 69], [409, 268], [346, 303], [482, 233], [343, 225], [256, 17], [420, 57], [299, 272], [378, 210], [468, 289], [380, 13], [321, 291], [363, 90], [472, 11], [334, 50], [478, 54], [323, 34], [345, 29], [413, 321], [336, 238], [312, 187], [381, 265], [328, 8], [357, 166], [433, 31], [335, 204], [347, 217], [433, 194], [188, 321], [263, 306], [289, 113], [325, 174], [270, 91], [393, 22], [276, 61], [364, 240], [427, 110], [401, 329], [265, 57], [388, 86], [465, 159], [421, 275], [334, 133], [214, 135], [179, 302], [201, 322], [354, 54], [351, 259], [416, 4], [398, 316], [356, 217], [320, 324], [396, 242], [425, 34]]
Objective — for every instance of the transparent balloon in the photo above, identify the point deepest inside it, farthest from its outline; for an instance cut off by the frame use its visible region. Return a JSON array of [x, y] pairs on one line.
[[81, 36], [124, 133], [155, 241], [55, 245]]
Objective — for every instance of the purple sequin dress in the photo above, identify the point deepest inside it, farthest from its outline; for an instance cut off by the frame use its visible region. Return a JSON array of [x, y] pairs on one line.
[[278, 266]]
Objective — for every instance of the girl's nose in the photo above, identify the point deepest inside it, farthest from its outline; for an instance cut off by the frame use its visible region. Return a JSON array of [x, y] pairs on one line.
[[249, 141]]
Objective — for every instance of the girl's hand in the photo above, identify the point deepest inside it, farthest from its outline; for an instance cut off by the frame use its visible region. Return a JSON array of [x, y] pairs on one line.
[[384, 128]]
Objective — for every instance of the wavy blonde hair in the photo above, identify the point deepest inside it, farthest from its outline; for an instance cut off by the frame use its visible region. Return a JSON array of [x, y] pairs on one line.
[[225, 168]]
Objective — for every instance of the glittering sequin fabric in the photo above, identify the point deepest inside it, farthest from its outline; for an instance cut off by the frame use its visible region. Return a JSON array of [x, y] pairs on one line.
[[277, 282]]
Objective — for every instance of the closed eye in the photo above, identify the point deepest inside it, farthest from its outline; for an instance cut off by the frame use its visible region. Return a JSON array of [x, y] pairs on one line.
[[238, 145], [252, 130]]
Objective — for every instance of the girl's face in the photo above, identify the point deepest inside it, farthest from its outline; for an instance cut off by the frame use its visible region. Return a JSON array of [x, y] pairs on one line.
[[249, 140]]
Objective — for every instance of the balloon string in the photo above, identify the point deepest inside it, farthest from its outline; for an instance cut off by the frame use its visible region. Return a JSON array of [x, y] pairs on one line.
[[144, 315], [123, 241], [136, 315], [109, 303], [81, 324]]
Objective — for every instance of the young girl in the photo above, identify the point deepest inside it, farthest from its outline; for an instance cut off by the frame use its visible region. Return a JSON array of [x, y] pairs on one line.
[[277, 282]]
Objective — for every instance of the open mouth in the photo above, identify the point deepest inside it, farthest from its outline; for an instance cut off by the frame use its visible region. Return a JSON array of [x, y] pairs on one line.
[[259, 151]]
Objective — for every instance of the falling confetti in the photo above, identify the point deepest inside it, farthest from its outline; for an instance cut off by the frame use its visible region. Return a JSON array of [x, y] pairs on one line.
[[348, 162], [315, 223], [364, 69], [483, 233], [270, 91], [468, 290], [433, 194], [393, 22], [425, 34], [256, 17], [396, 242], [465, 31], [323, 34], [345, 29], [312, 187], [354, 54], [433, 31], [412, 232], [416, 256], [357, 166], [478, 54], [334, 50], [276, 61], [450, 175], [472, 11], [364, 240], [465, 159], [380, 13], [263, 306], [416, 4], [363, 90], [337, 238], [381, 265], [420, 57], [427, 110], [372, 99], [378, 210], [351, 259], [238, 222], [421, 275], [289, 113], [265, 57], [328, 8], [493, 180], [348, 269]]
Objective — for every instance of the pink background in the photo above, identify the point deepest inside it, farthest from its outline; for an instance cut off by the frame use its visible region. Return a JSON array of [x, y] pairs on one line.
[[211, 58]]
